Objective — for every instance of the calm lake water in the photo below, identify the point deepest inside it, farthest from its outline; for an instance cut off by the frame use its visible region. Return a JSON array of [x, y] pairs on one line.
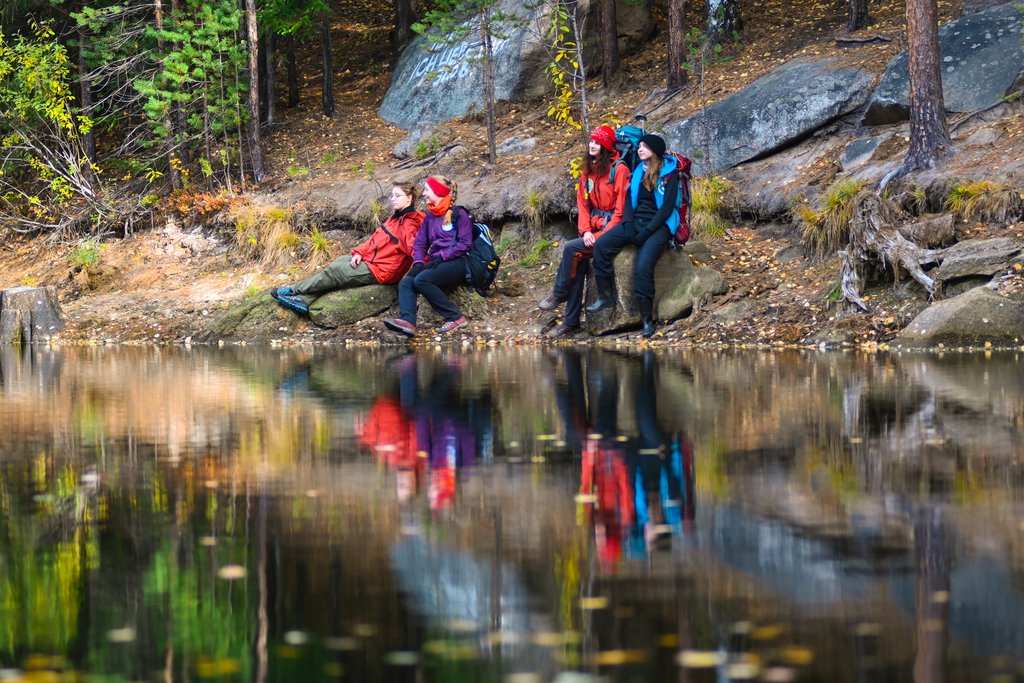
[[510, 515]]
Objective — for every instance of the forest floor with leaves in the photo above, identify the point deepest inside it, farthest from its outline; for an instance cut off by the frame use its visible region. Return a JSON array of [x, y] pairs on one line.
[[165, 283]]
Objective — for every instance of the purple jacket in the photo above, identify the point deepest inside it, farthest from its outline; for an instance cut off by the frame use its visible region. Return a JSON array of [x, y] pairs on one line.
[[434, 243]]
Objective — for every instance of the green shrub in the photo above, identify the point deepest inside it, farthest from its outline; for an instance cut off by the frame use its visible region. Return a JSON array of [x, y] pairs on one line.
[[826, 230]]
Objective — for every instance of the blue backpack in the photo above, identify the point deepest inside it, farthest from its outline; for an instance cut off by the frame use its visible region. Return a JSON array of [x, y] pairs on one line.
[[627, 141]]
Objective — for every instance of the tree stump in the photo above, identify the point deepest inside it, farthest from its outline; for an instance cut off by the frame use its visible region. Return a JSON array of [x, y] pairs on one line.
[[29, 315]]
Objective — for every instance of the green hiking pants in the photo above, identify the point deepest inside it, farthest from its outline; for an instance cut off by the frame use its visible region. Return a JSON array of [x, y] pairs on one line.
[[338, 275]]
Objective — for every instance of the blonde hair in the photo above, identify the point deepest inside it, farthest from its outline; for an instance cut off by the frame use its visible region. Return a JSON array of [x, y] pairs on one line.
[[410, 189], [652, 170], [451, 185]]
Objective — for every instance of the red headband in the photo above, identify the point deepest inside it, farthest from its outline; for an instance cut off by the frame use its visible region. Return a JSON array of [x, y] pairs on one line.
[[438, 187]]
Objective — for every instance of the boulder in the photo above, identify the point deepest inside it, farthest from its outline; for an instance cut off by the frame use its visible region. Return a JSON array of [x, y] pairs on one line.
[[259, 318], [982, 56], [426, 133], [978, 257], [29, 315], [971, 319], [678, 284], [472, 305], [347, 306], [858, 152], [774, 111], [515, 145]]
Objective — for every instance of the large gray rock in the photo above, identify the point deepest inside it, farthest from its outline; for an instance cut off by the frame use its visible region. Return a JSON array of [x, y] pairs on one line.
[[971, 319], [982, 56], [347, 306], [257, 319], [678, 284], [29, 315], [772, 112], [979, 257]]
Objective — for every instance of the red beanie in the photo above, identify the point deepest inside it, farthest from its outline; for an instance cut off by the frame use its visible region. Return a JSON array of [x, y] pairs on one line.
[[439, 188], [604, 136]]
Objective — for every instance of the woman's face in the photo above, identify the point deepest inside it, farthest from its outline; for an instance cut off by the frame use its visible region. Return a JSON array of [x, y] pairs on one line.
[[429, 195], [593, 148], [644, 152], [399, 199]]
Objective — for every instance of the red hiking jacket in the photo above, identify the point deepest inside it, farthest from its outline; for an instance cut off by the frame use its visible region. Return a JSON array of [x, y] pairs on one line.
[[603, 195], [389, 260]]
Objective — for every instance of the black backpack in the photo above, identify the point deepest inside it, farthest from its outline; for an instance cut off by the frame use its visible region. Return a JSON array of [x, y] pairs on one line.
[[482, 260]]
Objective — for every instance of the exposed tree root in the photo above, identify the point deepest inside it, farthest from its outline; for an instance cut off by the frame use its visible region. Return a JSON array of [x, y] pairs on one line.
[[874, 238]]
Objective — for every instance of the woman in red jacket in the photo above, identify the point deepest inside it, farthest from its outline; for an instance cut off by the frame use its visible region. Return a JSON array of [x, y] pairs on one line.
[[599, 197], [382, 259]]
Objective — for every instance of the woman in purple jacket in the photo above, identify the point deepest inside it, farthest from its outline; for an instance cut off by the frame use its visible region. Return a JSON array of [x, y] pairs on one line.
[[438, 260]]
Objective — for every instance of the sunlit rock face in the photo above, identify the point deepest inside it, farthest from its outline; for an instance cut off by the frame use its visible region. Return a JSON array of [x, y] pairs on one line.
[[774, 111], [435, 82], [973, 318], [982, 57]]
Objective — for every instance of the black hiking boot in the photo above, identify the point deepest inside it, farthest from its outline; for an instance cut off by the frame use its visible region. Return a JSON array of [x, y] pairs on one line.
[[605, 295]]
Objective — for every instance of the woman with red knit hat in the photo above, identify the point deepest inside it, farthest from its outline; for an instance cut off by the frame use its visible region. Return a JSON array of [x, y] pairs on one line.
[[438, 260], [599, 197]]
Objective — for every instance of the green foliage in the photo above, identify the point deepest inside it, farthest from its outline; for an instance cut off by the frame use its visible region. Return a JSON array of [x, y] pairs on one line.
[[319, 247], [265, 234], [826, 230], [538, 248], [426, 148], [296, 171], [533, 211], [330, 159], [564, 69], [86, 256]]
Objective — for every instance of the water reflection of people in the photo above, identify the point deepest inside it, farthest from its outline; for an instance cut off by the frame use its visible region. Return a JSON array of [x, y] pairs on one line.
[[426, 431], [637, 490]]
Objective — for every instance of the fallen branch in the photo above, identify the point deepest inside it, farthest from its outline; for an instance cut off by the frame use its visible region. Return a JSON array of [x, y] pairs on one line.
[[863, 41], [433, 158], [1004, 100]]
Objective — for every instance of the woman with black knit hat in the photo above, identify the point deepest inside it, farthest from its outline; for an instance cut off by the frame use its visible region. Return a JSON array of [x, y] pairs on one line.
[[438, 260], [649, 220], [600, 196]]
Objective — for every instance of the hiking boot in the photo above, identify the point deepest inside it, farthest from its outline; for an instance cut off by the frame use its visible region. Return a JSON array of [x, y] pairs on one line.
[[563, 330], [551, 301], [293, 302], [401, 326], [453, 325], [647, 312]]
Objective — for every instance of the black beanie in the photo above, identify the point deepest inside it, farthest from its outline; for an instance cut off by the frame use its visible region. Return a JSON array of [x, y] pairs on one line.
[[654, 143]]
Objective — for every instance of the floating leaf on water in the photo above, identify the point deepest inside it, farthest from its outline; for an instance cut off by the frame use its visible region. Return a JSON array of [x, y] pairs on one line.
[[341, 644], [503, 638], [364, 630], [211, 483], [231, 572], [312, 493], [778, 674], [768, 632], [537, 459], [594, 603], [620, 657], [525, 677], [548, 639], [217, 668], [701, 659], [546, 437], [513, 444], [462, 626], [744, 671], [621, 438], [797, 656], [856, 439], [402, 658], [560, 444], [867, 629], [287, 652], [411, 530], [940, 597], [741, 627], [296, 638], [334, 670], [668, 640], [597, 436], [586, 498], [208, 541], [121, 635]]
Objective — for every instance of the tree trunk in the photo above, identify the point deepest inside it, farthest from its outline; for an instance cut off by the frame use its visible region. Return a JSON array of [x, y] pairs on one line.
[[270, 60], [328, 60], [293, 72], [175, 175], [485, 37], [929, 134], [858, 18], [676, 44], [255, 151], [29, 315], [723, 20], [610, 60], [403, 25]]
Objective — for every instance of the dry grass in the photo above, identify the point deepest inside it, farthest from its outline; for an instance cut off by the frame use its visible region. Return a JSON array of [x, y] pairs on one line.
[[707, 194], [533, 211], [986, 201], [265, 235], [826, 230]]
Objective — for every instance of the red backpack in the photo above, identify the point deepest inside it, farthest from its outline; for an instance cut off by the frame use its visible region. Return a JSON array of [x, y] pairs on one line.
[[684, 201]]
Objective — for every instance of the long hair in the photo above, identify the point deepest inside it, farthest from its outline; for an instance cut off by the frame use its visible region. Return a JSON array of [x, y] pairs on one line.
[[596, 167], [653, 170], [451, 185], [411, 190]]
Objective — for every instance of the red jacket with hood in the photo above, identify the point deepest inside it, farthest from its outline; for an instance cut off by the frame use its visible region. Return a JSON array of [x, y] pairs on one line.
[[390, 256], [603, 194]]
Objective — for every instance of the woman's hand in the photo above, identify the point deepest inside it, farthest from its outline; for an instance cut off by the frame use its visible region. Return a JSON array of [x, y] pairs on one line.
[[356, 260], [589, 239]]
